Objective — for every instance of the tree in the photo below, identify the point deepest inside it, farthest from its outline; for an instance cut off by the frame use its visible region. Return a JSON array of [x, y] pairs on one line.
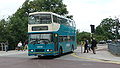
[[2, 30], [81, 36], [106, 27], [55, 6], [16, 25]]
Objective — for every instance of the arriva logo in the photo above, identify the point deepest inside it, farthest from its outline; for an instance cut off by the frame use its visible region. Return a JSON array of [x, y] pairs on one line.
[[68, 45], [39, 46]]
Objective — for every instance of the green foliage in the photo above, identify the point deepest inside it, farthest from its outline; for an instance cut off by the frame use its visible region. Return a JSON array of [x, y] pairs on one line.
[[100, 37], [83, 36], [15, 28], [2, 30], [55, 6], [105, 29]]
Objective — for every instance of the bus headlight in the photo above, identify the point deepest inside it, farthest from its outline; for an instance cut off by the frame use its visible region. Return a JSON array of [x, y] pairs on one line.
[[49, 50], [31, 50]]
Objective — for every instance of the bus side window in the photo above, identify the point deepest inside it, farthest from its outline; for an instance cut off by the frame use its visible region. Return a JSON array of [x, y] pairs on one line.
[[73, 23], [59, 20], [68, 38], [60, 39], [65, 21], [55, 19], [70, 22]]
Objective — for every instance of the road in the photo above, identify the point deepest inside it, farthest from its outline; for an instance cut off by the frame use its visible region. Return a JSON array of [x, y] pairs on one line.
[[66, 61], [10, 62]]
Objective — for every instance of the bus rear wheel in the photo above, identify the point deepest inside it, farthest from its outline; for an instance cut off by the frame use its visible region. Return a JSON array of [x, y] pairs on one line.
[[72, 49]]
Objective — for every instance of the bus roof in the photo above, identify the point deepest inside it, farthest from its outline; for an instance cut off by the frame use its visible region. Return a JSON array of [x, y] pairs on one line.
[[34, 13], [40, 13]]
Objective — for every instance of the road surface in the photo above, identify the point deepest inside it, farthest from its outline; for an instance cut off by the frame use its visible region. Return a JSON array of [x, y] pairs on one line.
[[21, 60]]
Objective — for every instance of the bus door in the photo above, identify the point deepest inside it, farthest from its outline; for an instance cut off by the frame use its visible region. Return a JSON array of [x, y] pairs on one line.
[[55, 39]]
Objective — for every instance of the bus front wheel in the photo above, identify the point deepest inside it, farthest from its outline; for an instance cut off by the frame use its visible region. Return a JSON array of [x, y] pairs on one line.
[[60, 51]]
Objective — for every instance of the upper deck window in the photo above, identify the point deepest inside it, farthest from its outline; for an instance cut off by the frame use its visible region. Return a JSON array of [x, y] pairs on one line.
[[40, 19]]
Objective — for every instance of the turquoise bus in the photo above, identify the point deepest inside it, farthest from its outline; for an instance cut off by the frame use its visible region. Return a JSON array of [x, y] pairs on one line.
[[50, 34]]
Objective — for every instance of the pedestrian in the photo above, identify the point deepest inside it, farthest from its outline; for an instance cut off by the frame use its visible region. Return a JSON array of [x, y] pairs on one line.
[[82, 44], [26, 45], [6, 48], [94, 45], [19, 46], [86, 47], [89, 47]]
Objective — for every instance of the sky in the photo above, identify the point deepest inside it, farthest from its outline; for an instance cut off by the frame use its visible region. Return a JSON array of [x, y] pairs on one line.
[[85, 12]]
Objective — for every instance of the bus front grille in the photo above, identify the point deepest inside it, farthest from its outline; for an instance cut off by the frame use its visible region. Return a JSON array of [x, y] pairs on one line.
[[39, 50]]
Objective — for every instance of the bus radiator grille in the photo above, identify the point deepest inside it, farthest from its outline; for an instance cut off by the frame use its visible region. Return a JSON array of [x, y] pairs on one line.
[[39, 50]]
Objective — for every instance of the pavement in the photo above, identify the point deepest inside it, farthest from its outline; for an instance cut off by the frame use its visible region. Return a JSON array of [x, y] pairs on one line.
[[102, 54], [12, 52]]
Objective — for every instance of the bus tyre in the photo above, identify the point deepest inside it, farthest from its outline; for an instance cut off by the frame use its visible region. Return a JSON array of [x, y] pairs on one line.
[[60, 51], [72, 49], [39, 56]]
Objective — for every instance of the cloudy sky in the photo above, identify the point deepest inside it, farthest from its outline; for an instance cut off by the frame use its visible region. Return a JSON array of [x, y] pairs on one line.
[[85, 12]]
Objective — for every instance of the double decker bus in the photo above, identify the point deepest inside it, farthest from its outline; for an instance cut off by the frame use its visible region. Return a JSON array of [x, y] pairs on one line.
[[50, 34]]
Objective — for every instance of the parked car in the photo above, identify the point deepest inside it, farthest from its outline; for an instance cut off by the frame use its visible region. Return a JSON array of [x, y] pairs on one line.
[[109, 41], [102, 42]]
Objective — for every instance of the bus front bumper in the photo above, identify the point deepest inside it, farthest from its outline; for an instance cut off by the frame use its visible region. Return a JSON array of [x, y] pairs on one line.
[[42, 53]]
